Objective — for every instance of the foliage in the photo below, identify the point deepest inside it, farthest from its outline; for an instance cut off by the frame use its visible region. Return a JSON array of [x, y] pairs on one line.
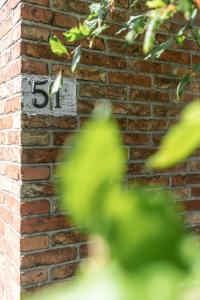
[[145, 254], [145, 26], [182, 139]]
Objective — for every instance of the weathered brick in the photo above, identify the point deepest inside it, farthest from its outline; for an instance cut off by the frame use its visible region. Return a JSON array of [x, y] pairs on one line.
[[33, 67], [34, 33], [64, 271], [35, 173], [46, 224], [35, 207], [76, 6], [40, 155], [34, 243], [37, 14], [48, 257], [92, 74], [129, 79], [33, 277], [68, 237], [49, 122], [35, 138], [105, 92]]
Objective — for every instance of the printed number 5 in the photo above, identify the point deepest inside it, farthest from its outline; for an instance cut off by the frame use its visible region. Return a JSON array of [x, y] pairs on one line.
[[42, 92]]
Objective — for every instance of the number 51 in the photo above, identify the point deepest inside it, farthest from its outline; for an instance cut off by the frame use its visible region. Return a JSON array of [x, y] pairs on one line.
[[44, 94]]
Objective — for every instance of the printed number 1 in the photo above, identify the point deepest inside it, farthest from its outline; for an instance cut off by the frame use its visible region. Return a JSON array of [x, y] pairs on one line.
[[45, 95]]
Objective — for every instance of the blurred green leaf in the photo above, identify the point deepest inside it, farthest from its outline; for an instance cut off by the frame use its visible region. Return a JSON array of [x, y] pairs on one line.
[[182, 85], [98, 149], [77, 33], [57, 84], [76, 58], [57, 46], [181, 141]]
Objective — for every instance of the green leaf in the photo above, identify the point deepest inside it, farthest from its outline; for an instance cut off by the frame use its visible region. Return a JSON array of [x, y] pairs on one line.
[[155, 3], [182, 84], [180, 39], [185, 6], [95, 8], [158, 51], [196, 32], [153, 25], [76, 58], [196, 67], [57, 84], [181, 140], [77, 33], [98, 149], [57, 46]]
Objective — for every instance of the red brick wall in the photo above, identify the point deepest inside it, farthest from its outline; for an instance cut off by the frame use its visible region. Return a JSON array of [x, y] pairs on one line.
[[10, 152], [144, 102]]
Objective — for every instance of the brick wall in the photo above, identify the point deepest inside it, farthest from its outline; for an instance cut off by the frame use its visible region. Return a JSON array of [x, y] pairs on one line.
[[10, 150], [144, 102]]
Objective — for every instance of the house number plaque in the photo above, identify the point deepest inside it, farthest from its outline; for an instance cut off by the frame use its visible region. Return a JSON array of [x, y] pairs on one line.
[[36, 98]]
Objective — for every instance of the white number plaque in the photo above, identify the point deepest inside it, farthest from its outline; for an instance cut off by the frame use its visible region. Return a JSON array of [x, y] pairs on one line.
[[36, 99]]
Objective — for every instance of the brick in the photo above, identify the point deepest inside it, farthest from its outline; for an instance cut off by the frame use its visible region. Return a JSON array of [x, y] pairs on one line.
[[166, 83], [85, 107], [63, 20], [39, 2], [34, 33], [68, 237], [150, 180], [12, 105], [33, 277], [46, 224], [136, 139], [35, 173], [40, 155], [6, 122], [75, 6], [121, 48], [176, 57], [131, 109], [39, 51], [191, 205], [35, 208], [33, 67], [129, 79], [141, 153], [49, 257], [93, 59], [37, 14], [195, 191], [12, 203], [142, 125], [64, 271], [98, 92], [149, 67], [13, 171], [49, 122], [59, 138], [92, 74], [185, 179], [2, 199], [34, 243], [37, 189], [166, 111], [35, 138], [122, 3], [83, 250]]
